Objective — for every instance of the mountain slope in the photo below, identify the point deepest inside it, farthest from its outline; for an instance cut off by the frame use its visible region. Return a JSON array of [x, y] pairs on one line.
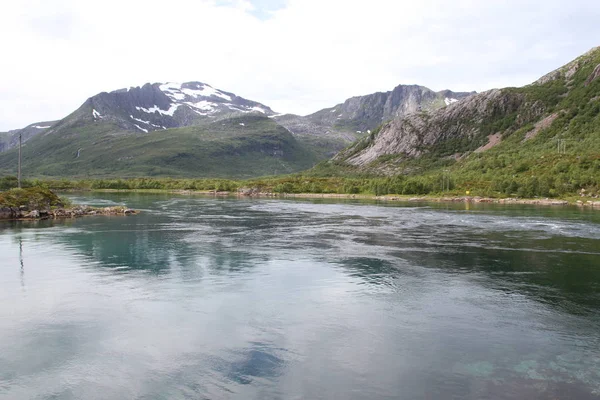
[[10, 139], [189, 129], [549, 130], [110, 133], [240, 147], [360, 115]]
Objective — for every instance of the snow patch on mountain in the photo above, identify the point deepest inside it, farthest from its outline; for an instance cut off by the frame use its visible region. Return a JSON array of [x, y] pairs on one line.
[[156, 109], [260, 110], [145, 122], [449, 101], [176, 92], [204, 105], [140, 128], [41, 127], [96, 114]]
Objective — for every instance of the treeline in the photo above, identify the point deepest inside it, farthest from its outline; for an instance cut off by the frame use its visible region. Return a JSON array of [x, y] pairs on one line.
[[442, 183]]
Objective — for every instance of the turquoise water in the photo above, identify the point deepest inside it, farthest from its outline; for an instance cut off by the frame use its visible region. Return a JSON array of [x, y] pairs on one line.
[[204, 298]]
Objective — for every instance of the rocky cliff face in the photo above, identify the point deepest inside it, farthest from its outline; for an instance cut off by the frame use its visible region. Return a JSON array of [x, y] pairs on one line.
[[413, 134], [477, 122], [361, 115], [161, 106]]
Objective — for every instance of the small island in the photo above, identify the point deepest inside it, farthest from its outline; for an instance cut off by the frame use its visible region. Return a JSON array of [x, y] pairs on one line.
[[41, 203]]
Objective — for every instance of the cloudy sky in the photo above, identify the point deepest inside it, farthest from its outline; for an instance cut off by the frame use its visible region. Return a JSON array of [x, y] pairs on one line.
[[294, 55]]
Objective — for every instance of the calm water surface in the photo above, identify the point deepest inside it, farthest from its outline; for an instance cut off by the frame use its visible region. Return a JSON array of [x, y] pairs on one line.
[[203, 298]]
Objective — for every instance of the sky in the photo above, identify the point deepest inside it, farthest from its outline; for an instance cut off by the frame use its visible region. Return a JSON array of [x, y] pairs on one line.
[[296, 56]]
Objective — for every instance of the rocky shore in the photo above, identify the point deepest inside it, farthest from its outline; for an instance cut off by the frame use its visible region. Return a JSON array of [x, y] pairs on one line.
[[252, 192], [22, 213]]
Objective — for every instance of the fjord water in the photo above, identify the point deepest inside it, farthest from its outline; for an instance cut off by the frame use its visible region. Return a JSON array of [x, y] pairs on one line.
[[210, 298]]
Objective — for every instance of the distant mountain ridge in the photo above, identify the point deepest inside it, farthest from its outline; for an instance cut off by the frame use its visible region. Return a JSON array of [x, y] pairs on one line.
[[543, 138], [10, 139], [361, 114], [117, 132]]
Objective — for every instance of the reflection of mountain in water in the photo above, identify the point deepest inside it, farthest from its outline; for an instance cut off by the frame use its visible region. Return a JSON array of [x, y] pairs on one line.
[[141, 243], [378, 245]]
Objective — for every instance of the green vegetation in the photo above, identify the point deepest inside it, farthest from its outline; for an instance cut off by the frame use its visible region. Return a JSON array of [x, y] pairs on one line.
[[241, 147], [561, 159], [33, 198]]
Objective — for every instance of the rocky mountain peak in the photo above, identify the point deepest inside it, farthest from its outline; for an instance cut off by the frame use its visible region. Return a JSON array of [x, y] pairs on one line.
[[159, 106]]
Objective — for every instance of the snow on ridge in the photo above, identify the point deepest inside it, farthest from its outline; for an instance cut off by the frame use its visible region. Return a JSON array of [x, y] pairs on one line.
[[169, 86], [155, 108], [176, 96], [203, 105], [41, 127], [140, 128], [259, 109], [449, 101], [145, 122], [96, 114], [235, 108], [205, 91], [176, 92]]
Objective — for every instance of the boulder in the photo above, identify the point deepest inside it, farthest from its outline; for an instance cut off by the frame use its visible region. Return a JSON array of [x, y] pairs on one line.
[[33, 214]]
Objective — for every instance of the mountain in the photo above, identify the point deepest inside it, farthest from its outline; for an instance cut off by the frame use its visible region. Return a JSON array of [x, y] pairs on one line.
[[10, 139], [193, 129], [189, 129], [548, 130], [359, 115], [161, 106]]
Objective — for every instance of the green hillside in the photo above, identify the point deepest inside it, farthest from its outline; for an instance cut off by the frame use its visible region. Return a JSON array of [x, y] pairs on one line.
[[548, 137], [242, 147]]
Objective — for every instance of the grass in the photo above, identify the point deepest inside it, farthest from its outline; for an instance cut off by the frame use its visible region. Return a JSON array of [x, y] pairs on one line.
[[515, 167], [33, 198], [222, 149], [229, 155]]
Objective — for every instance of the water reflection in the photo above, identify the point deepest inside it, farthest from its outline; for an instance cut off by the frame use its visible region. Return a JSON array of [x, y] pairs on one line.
[[21, 262], [209, 298]]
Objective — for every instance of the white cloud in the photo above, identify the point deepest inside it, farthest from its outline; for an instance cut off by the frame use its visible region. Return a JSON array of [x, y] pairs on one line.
[[308, 55]]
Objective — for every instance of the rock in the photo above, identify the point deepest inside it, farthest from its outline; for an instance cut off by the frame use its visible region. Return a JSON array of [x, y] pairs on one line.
[[593, 76], [408, 135], [254, 191], [33, 214], [6, 213]]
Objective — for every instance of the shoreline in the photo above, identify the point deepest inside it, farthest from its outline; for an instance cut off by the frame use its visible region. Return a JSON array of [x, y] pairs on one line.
[[18, 214], [250, 193]]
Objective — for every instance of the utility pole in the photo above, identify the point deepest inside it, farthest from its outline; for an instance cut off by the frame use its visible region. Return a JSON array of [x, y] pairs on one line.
[[562, 146], [445, 181], [19, 170]]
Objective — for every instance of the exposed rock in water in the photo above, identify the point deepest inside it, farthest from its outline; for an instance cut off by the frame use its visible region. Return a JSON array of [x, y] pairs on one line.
[[72, 212]]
